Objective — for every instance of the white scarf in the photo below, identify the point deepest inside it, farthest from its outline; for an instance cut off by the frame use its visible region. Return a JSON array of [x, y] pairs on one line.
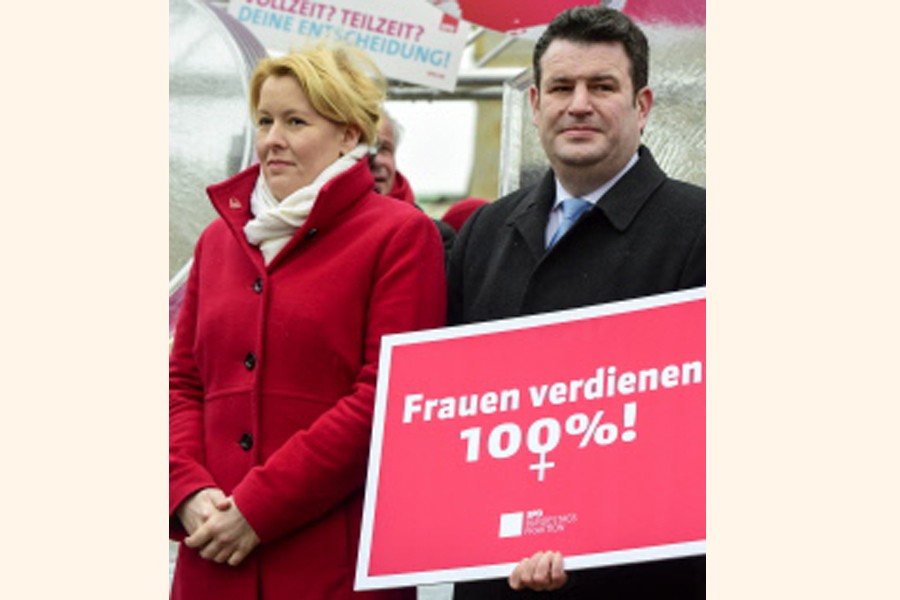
[[275, 222]]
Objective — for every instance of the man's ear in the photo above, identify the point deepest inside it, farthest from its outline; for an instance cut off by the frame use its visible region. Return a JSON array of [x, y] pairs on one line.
[[534, 97], [643, 100]]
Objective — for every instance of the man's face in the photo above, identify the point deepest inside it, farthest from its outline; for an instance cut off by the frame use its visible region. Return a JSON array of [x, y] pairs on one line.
[[383, 165], [586, 112]]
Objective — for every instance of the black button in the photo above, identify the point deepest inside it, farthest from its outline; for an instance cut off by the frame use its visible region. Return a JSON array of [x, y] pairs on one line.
[[258, 285], [312, 232], [250, 361], [246, 441]]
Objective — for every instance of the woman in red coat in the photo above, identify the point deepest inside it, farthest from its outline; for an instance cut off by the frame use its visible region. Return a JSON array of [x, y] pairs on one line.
[[273, 366]]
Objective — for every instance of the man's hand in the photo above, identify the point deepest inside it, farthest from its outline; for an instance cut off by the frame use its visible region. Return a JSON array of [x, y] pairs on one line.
[[225, 536], [542, 572]]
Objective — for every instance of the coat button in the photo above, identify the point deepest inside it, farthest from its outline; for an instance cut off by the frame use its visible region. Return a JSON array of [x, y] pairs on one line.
[[250, 361], [258, 285], [246, 441], [311, 233]]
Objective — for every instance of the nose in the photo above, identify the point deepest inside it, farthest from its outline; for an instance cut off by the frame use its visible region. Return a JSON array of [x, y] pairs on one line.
[[581, 100], [378, 160], [272, 136]]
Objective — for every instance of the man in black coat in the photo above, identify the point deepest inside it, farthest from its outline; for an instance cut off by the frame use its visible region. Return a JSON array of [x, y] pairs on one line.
[[604, 224]]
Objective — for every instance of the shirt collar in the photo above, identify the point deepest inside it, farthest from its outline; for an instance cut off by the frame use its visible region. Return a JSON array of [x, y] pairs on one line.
[[593, 197]]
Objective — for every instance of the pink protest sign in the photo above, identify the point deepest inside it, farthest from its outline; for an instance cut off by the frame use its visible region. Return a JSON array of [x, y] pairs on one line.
[[581, 431]]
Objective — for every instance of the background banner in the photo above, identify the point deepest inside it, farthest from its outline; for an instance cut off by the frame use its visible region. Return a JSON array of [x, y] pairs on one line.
[[581, 431], [517, 16], [410, 41]]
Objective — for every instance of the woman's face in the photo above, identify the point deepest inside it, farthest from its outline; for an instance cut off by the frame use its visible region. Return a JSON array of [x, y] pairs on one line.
[[294, 142]]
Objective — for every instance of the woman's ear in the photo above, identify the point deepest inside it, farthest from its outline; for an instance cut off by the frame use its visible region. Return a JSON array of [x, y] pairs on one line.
[[350, 138]]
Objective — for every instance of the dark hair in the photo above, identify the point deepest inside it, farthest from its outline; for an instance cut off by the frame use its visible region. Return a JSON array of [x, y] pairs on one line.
[[593, 24]]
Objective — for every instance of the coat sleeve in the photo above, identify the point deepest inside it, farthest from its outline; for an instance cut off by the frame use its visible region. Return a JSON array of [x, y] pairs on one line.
[[187, 472], [318, 468], [694, 273]]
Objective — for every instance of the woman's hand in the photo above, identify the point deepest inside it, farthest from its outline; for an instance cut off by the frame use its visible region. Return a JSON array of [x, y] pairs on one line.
[[543, 571], [225, 536], [199, 506]]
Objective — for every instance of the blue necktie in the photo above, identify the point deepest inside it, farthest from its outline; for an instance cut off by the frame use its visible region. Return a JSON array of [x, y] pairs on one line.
[[572, 209]]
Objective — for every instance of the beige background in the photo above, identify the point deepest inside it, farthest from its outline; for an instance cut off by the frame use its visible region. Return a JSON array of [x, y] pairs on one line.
[[802, 321]]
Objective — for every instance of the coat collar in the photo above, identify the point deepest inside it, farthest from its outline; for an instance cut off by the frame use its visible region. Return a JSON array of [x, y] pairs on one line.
[[623, 201], [231, 199], [620, 204], [402, 190], [530, 216]]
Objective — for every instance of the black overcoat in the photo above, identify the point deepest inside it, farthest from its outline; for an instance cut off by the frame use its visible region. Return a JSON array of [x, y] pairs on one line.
[[646, 235]]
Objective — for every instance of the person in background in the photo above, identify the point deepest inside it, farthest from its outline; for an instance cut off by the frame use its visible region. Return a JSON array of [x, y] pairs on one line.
[[390, 181], [273, 366], [604, 223], [459, 213]]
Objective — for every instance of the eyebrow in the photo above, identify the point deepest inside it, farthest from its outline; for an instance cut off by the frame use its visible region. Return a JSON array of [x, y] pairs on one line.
[[287, 113], [591, 78]]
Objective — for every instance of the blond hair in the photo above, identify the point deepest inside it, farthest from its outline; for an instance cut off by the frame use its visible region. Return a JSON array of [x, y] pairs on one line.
[[341, 83]]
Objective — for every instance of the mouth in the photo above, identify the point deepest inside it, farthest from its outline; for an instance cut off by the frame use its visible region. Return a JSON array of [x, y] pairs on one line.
[[380, 178], [580, 130], [276, 164]]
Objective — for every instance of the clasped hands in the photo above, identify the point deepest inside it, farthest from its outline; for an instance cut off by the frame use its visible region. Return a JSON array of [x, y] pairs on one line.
[[216, 527]]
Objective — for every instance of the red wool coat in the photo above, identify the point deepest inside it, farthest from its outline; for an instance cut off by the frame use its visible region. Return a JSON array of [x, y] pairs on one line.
[[272, 376]]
